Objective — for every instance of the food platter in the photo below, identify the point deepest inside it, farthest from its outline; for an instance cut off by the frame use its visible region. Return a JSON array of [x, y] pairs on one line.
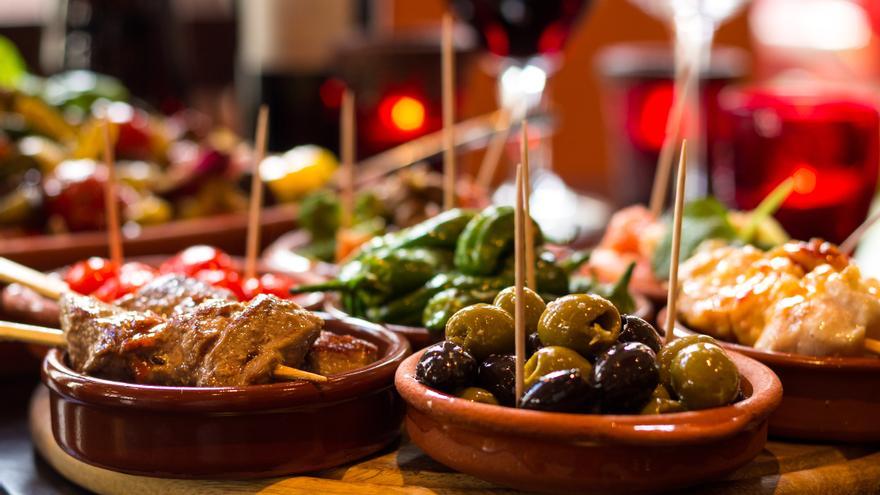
[[223, 231]]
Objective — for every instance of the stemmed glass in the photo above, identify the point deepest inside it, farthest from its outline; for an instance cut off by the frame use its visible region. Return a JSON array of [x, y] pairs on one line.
[[525, 39], [693, 23]]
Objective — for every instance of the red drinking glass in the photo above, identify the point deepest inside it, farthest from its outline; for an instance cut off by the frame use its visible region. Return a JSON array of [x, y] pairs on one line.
[[824, 137]]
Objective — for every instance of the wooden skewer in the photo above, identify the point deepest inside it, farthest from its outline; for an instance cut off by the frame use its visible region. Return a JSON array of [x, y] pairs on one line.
[[519, 309], [529, 228], [872, 345], [448, 81], [111, 207], [52, 288], [256, 199], [849, 245], [346, 147], [492, 158], [673, 132], [672, 295]]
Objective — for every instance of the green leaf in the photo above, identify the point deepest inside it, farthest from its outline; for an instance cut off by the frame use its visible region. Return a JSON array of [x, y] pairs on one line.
[[766, 209], [12, 66], [701, 220]]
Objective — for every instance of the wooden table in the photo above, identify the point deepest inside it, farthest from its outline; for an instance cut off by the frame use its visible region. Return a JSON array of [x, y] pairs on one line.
[[783, 468]]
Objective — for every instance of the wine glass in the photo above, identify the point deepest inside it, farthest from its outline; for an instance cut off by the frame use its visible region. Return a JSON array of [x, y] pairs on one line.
[[693, 23], [525, 39]]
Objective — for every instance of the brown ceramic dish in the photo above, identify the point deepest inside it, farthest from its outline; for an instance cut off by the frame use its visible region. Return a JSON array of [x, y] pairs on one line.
[[281, 256], [227, 232], [557, 452], [834, 399], [420, 337], [231, 432]]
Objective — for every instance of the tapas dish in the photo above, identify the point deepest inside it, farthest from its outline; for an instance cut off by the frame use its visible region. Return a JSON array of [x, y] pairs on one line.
[[604, 400], [805, 310]]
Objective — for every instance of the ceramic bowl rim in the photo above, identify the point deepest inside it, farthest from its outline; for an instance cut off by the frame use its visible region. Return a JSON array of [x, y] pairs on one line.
[[693, 427], [784, 358], [273, 396]]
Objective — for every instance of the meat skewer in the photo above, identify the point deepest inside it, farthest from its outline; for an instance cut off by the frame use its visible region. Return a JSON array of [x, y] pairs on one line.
[[181, 319]]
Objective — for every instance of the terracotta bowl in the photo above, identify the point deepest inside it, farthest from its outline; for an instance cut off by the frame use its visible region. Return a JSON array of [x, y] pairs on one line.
[[421, 337], [230, 432], [833, 399], [24, 305], [560, 453], [282, 256]]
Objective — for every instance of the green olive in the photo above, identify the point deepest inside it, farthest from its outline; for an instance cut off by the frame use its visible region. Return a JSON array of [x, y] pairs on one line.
[[586, 323], [703, 376], [477, 394], [482, 329], [661, 402], [669, 351], [533, 305], [550, 359]]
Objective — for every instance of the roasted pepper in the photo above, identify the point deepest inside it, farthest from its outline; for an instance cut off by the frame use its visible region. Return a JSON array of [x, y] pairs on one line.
[[446, 303], [441, 231], [486, 239]]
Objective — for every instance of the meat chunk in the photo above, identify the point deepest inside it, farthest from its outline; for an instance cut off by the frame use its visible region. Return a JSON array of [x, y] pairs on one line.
[[268, 332], [333, 353], [172, 294], [97, 333]]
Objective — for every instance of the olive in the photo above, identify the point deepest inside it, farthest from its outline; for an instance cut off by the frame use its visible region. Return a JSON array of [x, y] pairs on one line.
[[560, 391], [482, 329], [669, 351], [703, 376], [477, 394], [497, 374], [533, 305], [626, 376], [635, 329], [533, 343], [553, 358], [661, 402], [446, 366], [586, 323]]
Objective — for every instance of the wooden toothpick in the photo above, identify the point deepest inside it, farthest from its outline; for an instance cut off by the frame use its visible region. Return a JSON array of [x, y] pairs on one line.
[[519, 309], [448, 69], [672, 294], [494, 151], [111, 206], [673, 132], [346, 146], [849, 245], [529, 229], [256, 199]]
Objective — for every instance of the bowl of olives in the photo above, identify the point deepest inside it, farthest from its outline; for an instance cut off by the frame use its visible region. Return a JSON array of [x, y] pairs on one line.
[[829, 399], [606, 405]]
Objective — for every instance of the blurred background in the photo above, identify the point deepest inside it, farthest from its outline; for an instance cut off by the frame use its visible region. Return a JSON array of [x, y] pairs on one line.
[[605, 71]]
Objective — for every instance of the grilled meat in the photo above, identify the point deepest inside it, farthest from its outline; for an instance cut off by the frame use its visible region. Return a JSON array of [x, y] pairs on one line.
[[172, 294], [332, 353]]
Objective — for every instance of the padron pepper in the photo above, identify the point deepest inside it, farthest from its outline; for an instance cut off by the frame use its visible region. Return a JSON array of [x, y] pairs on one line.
[[447, 302], [486, 239], [441, 231]]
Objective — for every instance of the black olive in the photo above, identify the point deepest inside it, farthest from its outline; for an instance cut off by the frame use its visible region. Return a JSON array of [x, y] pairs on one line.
[[636, 329], [446, 366], [497, 374], [625, 377], [533, 343], [560, 391]]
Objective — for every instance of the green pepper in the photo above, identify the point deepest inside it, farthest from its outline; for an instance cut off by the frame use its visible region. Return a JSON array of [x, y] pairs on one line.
[[486, 239], [441, 231], [550, 276], [446, 303]]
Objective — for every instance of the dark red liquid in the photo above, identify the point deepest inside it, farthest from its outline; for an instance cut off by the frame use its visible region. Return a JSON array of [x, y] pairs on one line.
[[522, 28], [827, 141]]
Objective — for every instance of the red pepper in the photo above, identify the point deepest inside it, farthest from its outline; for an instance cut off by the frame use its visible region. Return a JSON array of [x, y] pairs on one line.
[[268, 283], [132, 276], [224, 279], [88, 275], [197, 258]]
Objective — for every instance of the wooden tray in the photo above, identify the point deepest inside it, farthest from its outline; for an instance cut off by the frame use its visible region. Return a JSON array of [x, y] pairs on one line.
[[782, 469], [227, 232]]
